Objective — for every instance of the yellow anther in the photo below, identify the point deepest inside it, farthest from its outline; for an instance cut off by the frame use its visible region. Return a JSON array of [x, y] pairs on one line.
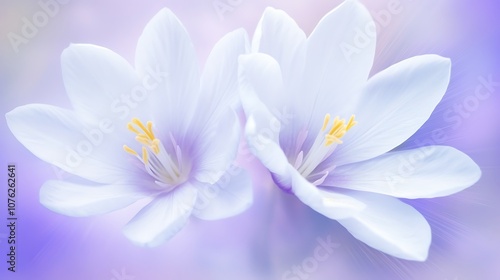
[[145, 136], [351, 123], [166, 171], [326, 122], [145, 155], [143, 139], [338, 129], [337, 126], [131, 128], [156, 146], [330, 139], [144, 129], [129, 150], [150, 129], [340, 133]]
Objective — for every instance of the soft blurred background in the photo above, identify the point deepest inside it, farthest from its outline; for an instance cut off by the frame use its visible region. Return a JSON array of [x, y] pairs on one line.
[[277, 233]]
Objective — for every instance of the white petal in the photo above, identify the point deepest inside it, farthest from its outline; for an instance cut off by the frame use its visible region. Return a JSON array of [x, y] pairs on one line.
[[260, 83], [262, 139], [394, 105], [339, 58], [216, 149], [80, 200], [390, 226], [58, 137], [219, 82], [262, 96], [328, 203], [166, 55], [278, 35], [425, 172], [215, 131], [263, 146], [261, 90], [97, 80], [230, 196], [162, 218], [262, 128]]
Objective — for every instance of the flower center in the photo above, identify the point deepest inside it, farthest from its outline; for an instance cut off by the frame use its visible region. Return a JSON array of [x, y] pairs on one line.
[[325, 143], [166, 170]]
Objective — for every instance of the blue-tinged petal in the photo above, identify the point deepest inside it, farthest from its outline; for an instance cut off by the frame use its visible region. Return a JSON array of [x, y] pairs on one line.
[[58, 137], [262, 145], [262, 96], [215, 150], [260, 84], [101, 84], [394, 104], [390, 226], [219, 81], [328, 203], [166, 54], [229, 196], [426, 172], [162, 218], [279, 36], [86, 200], [340, 53]]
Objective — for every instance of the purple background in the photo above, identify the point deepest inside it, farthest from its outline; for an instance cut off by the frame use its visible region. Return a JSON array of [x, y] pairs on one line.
[[277, 232]]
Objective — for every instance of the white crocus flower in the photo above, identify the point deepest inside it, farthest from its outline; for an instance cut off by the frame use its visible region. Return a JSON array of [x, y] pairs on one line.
[[326, 131], [159, 131]]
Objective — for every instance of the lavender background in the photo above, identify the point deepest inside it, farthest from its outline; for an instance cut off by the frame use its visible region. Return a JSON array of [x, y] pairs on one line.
[[277, 232]]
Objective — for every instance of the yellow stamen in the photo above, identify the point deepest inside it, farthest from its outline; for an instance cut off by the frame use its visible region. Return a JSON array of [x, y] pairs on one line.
[[129, 150], [337, 126], [338, 129], [143, 139], [144, 155], [131, 128], [156, 146], [325, 122], [165, 170], [150, 129], [145, 136], [323, 146], [351, 123], [144, 129], [330, 139]]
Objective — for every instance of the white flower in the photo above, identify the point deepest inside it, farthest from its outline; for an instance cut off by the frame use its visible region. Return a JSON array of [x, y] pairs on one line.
[[159, 131], [327, 132]]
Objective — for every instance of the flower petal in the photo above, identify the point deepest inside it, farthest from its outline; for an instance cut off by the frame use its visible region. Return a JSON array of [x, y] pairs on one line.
[[279, 36], [425, 172], [162, 218], [339, 58], [85, 200], [230, 196], [262, 95], [219, 81], [260, 84], [394, 105], [214, 151], [262, 145], [331, 204], [263, 130], [166, 54], [58, 137], [98, 80], [390, 226]]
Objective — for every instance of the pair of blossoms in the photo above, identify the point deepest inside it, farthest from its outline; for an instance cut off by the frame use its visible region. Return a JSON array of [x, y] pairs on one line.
[[333, 150]]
